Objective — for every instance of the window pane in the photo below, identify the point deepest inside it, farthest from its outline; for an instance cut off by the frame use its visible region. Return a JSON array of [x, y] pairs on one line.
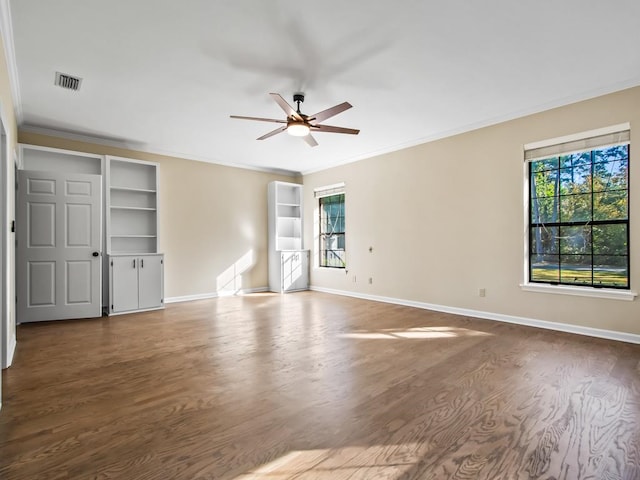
[[575, 269], [575, 240], [544, 242], [609, 154], [611, 271], [545, 271], [575, 176], [611, 205], [610, 239], [579, 161], [610, 175], [545, 164], [544, 184], [575, 208], [544, 210]]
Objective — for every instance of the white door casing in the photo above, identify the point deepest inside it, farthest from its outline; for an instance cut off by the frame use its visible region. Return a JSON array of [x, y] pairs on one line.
[[59, 235]]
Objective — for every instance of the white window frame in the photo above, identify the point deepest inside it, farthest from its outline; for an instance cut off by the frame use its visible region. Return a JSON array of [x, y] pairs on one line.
[[608, 293]]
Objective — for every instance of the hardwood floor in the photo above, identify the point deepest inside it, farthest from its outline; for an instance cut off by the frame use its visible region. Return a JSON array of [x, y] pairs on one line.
[[312, 386]]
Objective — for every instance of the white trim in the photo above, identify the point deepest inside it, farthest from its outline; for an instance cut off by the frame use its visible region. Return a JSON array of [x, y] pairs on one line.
[[132, 160], [123, 144], [7, 191], [26, 146], [609, 293], [578, 136], [6, 29], [527, 229], [530, 322], [205, 296], [11, 350]]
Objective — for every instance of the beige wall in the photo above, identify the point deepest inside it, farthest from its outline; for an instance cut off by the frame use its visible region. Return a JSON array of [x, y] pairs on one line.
[[212, 220], [446, 218]]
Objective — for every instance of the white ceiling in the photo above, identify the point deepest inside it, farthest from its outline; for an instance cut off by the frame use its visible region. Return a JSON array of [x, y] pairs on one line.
[[164, 75]]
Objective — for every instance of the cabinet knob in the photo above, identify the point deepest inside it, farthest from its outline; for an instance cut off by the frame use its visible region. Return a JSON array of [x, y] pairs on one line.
[[96, 254]]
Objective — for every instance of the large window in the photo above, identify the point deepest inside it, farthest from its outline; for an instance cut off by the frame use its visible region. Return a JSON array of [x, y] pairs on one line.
[[579, 214], [331, 248]]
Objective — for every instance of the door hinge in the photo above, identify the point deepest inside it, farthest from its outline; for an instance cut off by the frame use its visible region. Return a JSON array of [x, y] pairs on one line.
[[111, 307], [161, 262], [13, 226], [112, 263]]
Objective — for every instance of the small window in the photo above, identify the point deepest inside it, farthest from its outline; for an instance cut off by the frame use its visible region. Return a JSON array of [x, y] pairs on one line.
[[332, 241], [579, 214]]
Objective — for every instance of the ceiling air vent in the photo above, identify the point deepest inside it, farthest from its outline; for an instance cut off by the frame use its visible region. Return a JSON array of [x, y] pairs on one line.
[[67, 81]]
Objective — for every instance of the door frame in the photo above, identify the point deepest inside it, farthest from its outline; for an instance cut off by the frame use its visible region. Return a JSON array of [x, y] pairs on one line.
[[8, 159]]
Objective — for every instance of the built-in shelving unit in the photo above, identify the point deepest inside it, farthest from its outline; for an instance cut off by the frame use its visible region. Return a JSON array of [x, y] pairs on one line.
[[136, 269], [132, 214], [285, 238]]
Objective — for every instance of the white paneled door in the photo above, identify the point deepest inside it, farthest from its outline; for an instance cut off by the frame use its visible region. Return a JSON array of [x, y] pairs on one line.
[[59, 230]]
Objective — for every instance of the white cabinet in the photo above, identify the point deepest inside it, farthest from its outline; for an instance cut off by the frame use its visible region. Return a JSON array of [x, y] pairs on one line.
[[288, 263], [135, 282]]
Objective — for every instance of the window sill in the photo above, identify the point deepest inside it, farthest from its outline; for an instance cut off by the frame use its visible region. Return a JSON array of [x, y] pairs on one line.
[[609, 293]]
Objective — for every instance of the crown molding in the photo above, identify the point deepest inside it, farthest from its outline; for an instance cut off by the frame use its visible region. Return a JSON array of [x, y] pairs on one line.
[[6, 28]]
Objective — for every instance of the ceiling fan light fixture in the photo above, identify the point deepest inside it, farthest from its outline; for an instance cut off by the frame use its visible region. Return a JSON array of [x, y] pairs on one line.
[[298, 129]]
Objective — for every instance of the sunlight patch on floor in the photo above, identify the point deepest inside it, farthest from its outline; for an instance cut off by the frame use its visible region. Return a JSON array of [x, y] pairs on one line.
[[415, 333], [377, 461]]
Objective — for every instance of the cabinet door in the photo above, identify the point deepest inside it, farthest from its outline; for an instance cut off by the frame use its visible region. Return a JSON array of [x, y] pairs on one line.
[[295, 270], [286, 266], [301, 271], [124, 283], [150, 281]]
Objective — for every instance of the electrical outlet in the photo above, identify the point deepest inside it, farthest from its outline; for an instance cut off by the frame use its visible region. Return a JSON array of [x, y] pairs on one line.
[[370, 280], [482, 292]]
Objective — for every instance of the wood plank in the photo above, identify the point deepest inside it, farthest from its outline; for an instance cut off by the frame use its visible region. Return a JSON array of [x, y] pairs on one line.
[[309, 385]]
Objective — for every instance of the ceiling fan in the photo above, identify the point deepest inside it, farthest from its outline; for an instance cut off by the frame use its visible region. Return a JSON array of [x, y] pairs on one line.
[[300, 125]]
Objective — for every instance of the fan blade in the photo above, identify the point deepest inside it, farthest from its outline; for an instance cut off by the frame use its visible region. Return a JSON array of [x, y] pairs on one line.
[[259, 119], [310, 140], [329, 112], [272, 133], [329, 128], [288, 109]]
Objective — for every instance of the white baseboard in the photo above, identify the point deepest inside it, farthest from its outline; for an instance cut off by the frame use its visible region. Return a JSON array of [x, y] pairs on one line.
[[204, 296], [530, 322]]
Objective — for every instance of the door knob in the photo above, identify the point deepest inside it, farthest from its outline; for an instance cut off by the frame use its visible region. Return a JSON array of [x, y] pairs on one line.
[[96, 254]]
